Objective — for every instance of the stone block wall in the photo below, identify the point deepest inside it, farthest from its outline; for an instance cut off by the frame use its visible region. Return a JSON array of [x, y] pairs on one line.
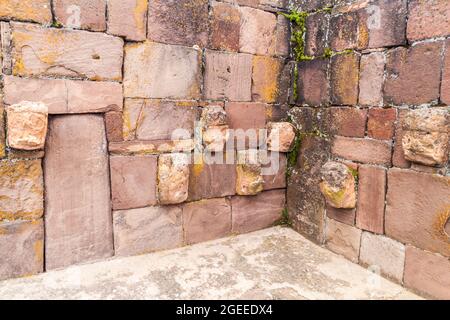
[[140, 96], [372, 92]]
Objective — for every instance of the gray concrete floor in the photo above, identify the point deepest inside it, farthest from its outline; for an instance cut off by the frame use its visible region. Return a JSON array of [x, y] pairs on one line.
[[275, 263]]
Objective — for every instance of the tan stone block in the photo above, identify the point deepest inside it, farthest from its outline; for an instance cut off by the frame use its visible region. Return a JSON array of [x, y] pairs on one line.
[[266, 73], [26, 10], [280, 136], [338, 185], [81, 14], [343, 239], [173, 178], [128, 18], [249, 173], [258, 30]]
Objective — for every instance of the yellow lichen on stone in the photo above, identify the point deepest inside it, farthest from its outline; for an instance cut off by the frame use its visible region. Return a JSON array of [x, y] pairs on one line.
[[265, 79], [139, 12], [442, 219]]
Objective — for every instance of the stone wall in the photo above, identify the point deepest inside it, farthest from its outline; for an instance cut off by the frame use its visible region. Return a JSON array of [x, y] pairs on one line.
[[372, 93], [137, 97]]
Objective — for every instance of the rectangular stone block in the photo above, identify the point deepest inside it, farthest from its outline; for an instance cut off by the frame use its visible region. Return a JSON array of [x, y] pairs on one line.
[[225, 27], [316, 34], [145, 76], [313, 86], [343, 239], [346, 216], [417, 210], [344, 33], [173, 178], [68, 53], [445, 86], [345, 79], [381, 124], [228, 76], [78, 220], [257, 212], [114, 126], [128, 18], [21, 190], [349, 122], [22, 249], [274, 167], [81, 14], [428, 19], [265, 79], [206, 220], [371, 79], [145, 230], [26, 10], [283, 36], [362, 150], [398, 156]]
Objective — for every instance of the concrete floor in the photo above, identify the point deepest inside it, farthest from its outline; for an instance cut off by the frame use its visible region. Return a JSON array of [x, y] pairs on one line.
[[275, 263]]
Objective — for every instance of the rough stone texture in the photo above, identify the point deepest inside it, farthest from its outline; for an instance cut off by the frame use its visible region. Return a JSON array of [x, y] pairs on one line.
[[21, 190], [215, 138], [78, 226], [146, 230], [214, 116], [280, 136], [338, 185], [146, 77], [346, 216], [345, 79], [344, 33], [173, 178], [128, 18], [383, 254], [183, 22], [371, 199], [371, 79], [349, 122], [258, 32], [228, 76], [114, 126], [362, 150], [428, 19], [206, 220], [310, 5], [56, 52], [398, 157], [151, 147], [34, 10], [225, 27], [427, 273], [381, 124], [445, 86], [249, 180], [22, 249], [274, 168], [316, 34], [81, 14], [265, 79], [65, 96], [417, 210], [258, 212], [413, 75], [133, 181], [27, 125], [427, 120], [313, 86], [2, 131], [343, 239], [283, 35]]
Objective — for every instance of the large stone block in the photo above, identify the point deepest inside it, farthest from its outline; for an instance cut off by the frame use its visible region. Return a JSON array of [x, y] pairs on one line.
[[362, 150], [338, 185], [316, 34], [78, 220], [349, 122], [225, 27], [381, 124], [265, 79], [27, 10], [173, 178], [258, 32], [417, 210], [147, 230], [81, 14], [22, 249], [313, 86], [345, 79], [343, 239], [21, 190], [428, 19], [146, 77], [128, 18], [249, 179], [371, 79], [280, 136], [58, 52], [274, 169]]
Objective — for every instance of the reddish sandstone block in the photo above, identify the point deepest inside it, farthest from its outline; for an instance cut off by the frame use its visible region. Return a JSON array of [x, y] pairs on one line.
[[58, 52], [246, 115], [265, 78], [206, 220], [346, 216], [428, 19], [311, 5], [316, 34], [381, 124], [26, 10], [145, 230], [371, 199], [418, 215], [398, 157], [114, 126], [2, 131], [274, 166], [345, 79], [282, 36], [258, 32], [371, 79], [349, 122], [313, 87], [183, 22], [81, 14], [413, 75], [445, 87], [133, 181], [362, 150], [128, 18], [344, 31], [343, 239], [225, 27], [427, 273], [257, 212], [22, 249]]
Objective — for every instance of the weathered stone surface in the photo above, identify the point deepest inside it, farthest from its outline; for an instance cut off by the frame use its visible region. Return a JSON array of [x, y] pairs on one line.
[[427, 120], [265, 79], [151, 147], [346, 216], [345, 79], [343, 239], [428, 19], [22, 249], [249, 180], [282, 36], [114, 126], [274, 167], [173, 178], [77, 195], [417, 210], [258, 212], [313, 87], [371, 199], [21, 190], [65, 96], [427, 273], [371, 79], [81, 14], [228, 76], [413, 75], [2, 131], [445, 86], [215, 138], [316, 34], [280, 136], [146, 77], [133, 181], [381, 124], [362, 150], [349, 122], [34, 10], [145, 230], [258, 31], [398, 157], [338, 185], [344, 33], [206, 220], [310, 5], [58, 52], [183, 22], [27, 125], [214, 116], [225, 27], [384, 254], [128, 19]]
